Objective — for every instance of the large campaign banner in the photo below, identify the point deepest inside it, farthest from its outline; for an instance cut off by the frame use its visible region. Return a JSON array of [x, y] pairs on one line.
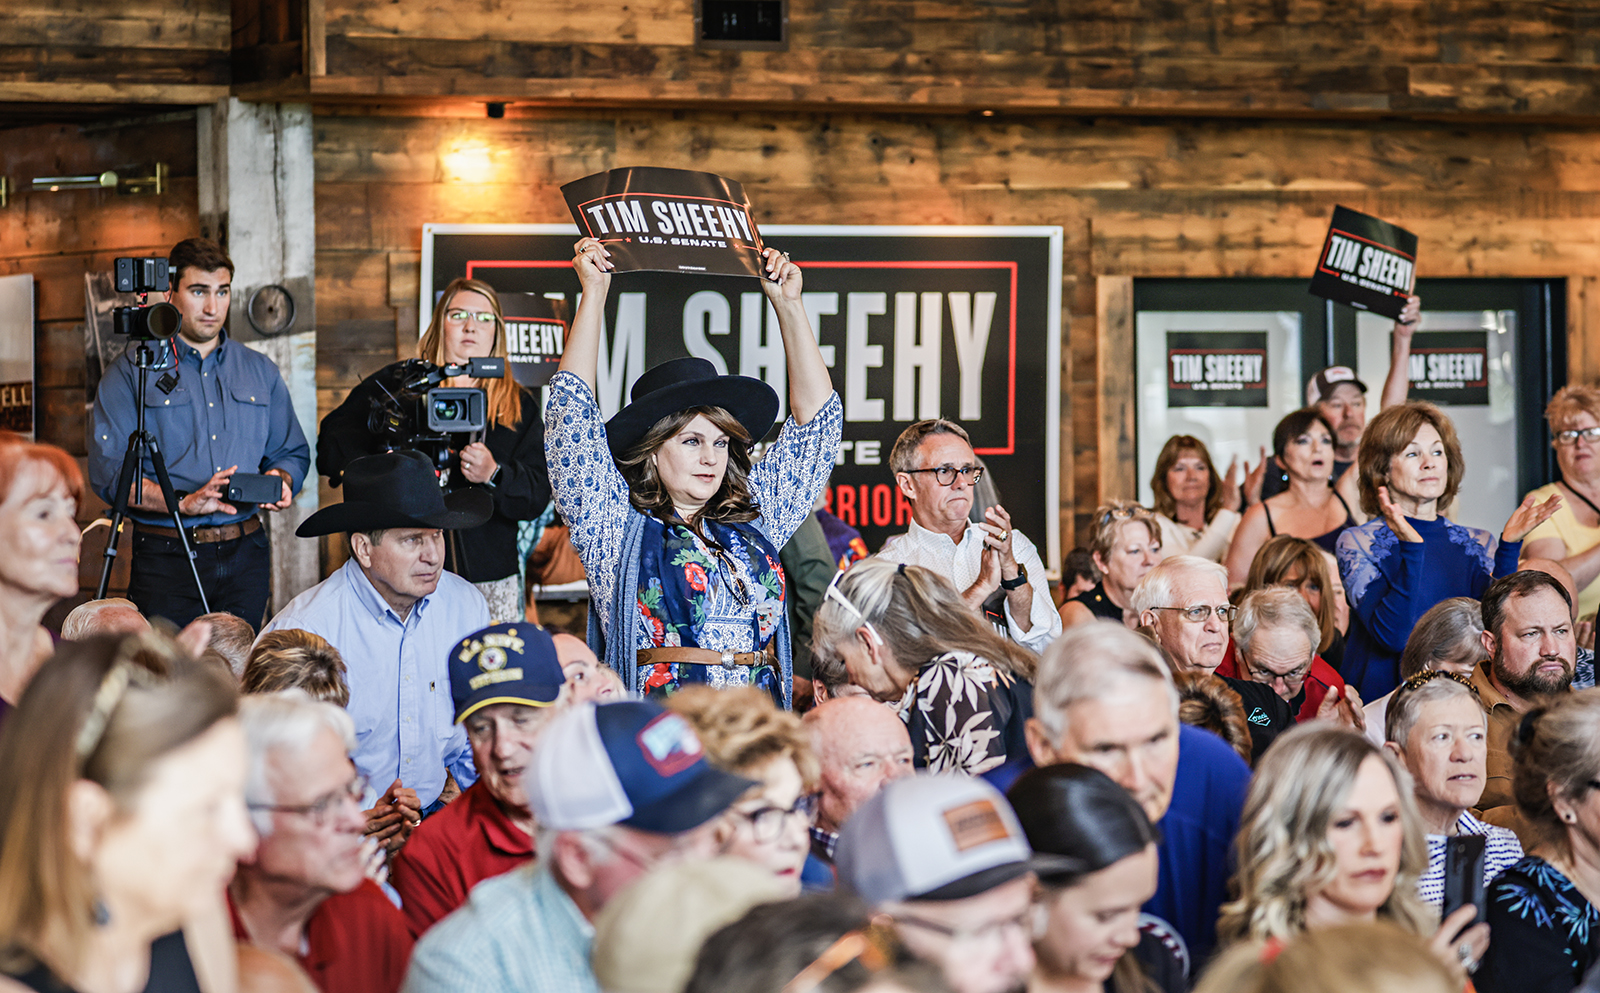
[[914, 322]]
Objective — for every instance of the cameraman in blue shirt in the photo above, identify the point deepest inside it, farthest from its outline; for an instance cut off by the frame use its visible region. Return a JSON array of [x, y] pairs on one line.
[[228, 412]]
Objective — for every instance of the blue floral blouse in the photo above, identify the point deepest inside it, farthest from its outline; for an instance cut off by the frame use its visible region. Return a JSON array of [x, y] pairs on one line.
[[1544, 934], [726, 596]]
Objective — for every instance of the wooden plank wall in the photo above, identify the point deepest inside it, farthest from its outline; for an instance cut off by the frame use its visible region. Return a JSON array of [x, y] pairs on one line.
[[1136, 198], [58, 237]]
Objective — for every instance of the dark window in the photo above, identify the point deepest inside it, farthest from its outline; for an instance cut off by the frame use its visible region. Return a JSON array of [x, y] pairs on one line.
[[750, 24]]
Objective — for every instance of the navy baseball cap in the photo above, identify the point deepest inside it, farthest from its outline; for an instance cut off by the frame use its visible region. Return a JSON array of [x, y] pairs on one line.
[[633, 763], [504, 663]]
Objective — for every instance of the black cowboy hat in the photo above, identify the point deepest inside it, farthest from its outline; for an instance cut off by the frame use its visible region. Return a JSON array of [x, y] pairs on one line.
[[397, 490], [679, 384]]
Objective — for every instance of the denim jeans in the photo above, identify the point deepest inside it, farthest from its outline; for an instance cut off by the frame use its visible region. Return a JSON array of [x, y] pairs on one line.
[[237, 576]]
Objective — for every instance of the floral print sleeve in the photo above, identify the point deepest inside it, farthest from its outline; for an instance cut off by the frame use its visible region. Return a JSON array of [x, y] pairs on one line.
[[1546, 934], [791, 473], [953, 698], [589, 491]]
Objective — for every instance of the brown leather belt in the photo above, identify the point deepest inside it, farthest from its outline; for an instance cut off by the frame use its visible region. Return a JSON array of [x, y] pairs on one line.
[[208, 536], [701, 656]]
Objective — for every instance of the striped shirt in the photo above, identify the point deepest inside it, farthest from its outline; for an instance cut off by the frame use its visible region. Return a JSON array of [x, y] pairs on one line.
[[1501, 850]]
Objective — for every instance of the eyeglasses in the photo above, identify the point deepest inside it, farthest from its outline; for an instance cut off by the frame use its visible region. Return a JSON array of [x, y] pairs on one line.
[[946, 474], [1199, 612], [1591, 435], [476, 316], [992, 931], [1269, 677], [837, 596], [321, 810], [767, 823]]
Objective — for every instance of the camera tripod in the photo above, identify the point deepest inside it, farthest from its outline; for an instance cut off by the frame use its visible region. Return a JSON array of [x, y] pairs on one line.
[[140, 442]]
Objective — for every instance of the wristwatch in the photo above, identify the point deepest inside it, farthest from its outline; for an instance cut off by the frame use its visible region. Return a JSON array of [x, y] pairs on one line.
[[1019, 582]]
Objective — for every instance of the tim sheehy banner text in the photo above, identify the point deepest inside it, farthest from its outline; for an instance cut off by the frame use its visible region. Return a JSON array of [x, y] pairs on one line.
[[1366, 263], [669, 220], [1216, 369], [961, 323]]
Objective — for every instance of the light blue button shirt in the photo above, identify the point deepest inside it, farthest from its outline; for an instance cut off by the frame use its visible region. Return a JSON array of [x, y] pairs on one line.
[[398, 674]]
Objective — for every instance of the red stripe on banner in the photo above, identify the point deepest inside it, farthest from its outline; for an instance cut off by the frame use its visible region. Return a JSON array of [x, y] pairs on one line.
[[1011, 371], [508, 264]]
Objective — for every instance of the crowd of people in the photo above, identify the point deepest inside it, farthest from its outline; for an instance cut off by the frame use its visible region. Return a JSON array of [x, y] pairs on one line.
[[1270, 734]]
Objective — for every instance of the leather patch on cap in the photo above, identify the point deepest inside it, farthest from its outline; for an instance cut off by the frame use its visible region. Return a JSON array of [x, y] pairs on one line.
[[976, 823]]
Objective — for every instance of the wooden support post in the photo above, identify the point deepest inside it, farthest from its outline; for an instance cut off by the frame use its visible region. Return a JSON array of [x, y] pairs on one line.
[[1114, 358], [256, 198]]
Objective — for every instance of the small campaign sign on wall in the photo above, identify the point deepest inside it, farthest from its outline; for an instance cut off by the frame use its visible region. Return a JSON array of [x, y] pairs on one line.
[[1216, 369], [536, 333], [668, 220], [1366, 263], [1450, 367]]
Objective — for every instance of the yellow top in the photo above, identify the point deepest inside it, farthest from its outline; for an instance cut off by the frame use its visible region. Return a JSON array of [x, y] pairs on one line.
[[1575, 536]]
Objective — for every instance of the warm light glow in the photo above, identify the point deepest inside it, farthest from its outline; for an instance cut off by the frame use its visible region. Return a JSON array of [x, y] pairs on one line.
[[470, 161]]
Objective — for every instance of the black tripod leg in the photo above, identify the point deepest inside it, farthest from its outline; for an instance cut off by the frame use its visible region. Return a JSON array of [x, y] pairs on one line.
[[119, 511], [177, 520]]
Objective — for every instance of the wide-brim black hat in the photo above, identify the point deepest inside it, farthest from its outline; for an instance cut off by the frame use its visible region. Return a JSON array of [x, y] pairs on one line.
[[397, 490], [679, 384]]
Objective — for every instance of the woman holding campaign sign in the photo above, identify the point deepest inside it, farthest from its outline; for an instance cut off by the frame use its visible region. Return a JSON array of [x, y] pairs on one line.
[[1309, 508], [1410, 556], [678, 530], [508, 460]]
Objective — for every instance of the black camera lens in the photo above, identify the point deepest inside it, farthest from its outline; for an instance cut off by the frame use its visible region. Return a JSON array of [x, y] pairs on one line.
[[448, 410]]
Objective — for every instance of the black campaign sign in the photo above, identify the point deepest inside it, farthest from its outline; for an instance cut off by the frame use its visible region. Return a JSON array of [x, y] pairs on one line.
[[1450, 367], [910, 325], [536, 333], [1366, 263], [669, 220], [1216, 369]]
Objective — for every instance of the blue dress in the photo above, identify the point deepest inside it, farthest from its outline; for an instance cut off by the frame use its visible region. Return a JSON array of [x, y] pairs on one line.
[[1544, 934], [1392, 583]]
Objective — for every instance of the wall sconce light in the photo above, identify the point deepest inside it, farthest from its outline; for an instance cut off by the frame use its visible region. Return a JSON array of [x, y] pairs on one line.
[[155, 182], [5, 191]]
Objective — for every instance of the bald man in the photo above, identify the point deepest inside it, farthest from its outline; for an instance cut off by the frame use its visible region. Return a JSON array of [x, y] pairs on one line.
[[1583, 631], [113, 615], [861, 744]]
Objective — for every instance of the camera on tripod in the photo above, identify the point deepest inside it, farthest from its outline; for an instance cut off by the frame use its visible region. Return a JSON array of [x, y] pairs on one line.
[[420, 414], [145, 322]]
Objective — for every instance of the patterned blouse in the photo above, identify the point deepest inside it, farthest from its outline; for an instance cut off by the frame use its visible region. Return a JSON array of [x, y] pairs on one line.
[[1544, 933], [970, 714], [724, 596]]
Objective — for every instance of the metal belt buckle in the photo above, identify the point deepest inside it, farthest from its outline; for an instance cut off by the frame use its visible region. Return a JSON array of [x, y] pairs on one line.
[[727, 660]]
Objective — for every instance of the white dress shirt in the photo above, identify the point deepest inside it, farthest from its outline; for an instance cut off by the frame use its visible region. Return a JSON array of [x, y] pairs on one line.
[[962, 563]]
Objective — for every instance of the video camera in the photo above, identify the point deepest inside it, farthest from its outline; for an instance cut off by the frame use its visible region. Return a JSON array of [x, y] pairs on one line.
[[420, 414], [145, 322]]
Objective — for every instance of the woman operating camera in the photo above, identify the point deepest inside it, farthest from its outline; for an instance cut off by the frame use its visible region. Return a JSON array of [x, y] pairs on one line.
[[508, 461]]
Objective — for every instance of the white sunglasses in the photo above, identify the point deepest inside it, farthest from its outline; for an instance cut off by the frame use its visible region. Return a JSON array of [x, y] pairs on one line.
[[837, 595]]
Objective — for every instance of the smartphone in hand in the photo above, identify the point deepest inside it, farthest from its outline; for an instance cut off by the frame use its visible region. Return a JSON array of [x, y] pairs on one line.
[[1463, 876]]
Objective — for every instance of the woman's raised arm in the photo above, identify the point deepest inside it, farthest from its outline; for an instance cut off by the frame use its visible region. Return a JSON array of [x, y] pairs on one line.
[[809, 385], [581, 357]]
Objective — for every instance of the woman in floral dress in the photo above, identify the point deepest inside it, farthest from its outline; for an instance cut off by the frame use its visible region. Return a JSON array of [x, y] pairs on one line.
[[678, 530], [903, 632]]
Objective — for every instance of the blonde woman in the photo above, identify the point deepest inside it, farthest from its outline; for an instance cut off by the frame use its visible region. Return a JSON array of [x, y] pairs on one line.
[[906, 638], [744, 732], [508, 460], [1330, 835], [1125, 542]]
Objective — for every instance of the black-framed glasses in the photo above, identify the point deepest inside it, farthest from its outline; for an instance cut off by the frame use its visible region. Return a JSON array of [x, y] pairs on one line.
[[1269, 677], [1591, 435], [1200, 611], [946, 474], [322, 809], [476, 316], [767, 822]]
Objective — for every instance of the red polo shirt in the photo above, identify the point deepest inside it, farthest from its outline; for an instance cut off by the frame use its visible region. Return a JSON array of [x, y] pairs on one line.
[[356, 942], [453, 851], [1319, 679]]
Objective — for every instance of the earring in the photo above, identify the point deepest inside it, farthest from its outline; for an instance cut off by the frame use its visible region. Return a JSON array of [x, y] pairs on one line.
[[1569, 817]]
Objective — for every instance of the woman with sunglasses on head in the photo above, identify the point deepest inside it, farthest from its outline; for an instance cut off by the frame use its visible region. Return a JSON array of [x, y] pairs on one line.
[[1449, 638], [508, 460], [1314, 506], [746, 734], [964, 691], [1125, 542], [1438, 730], [122, 814], [677, 528], [1572, 535]]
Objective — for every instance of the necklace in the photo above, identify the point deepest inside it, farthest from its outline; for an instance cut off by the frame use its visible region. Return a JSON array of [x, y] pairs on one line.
[[1589, 503]]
